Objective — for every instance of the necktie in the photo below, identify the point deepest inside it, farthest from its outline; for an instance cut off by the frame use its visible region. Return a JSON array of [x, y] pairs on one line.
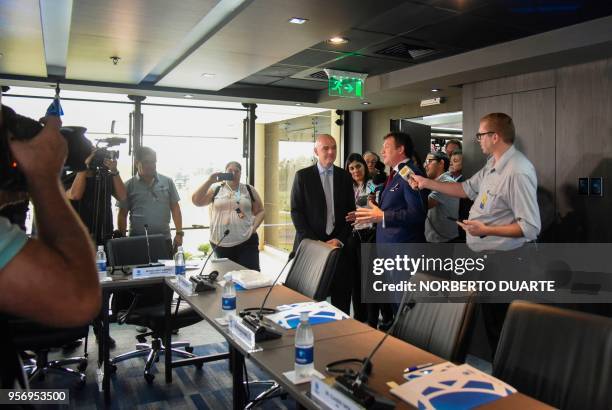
[[329, 200], [390, 177]]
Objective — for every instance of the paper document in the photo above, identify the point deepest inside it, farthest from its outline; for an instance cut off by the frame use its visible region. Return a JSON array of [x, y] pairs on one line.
[[456, 388], [251, 279], [318, 313]]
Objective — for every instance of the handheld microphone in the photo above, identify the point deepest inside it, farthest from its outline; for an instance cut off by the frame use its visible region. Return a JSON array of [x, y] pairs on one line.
[[255, 321], [405, 172], [227, 231]]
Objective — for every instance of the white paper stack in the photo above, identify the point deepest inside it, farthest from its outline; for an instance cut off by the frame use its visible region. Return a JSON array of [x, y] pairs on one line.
[[318, 313], [251, 279]]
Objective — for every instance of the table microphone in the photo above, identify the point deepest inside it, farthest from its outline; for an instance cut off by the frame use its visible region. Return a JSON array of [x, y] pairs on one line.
[[355, 385], [255, 321], [146, 229], [227, 231]]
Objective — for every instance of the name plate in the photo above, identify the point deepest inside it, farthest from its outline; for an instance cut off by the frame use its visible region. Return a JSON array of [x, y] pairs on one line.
[[329, 397], [241, 332], [184, 285], [149, 271]]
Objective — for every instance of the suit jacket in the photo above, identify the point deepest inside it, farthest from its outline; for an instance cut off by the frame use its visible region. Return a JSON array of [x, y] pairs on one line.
[[405, 212], [309, 210]]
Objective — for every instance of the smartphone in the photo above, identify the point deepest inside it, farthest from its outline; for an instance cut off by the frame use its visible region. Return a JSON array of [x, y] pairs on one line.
[[362, 201], [225, 176]]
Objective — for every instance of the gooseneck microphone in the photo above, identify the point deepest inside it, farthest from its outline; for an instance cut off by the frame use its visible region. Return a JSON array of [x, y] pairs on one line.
[[146, 229], [253, 317], [227, 231]]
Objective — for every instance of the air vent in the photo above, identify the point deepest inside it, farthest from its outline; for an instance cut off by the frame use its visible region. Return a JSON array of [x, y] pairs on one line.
[[319, 75], [407, 51]]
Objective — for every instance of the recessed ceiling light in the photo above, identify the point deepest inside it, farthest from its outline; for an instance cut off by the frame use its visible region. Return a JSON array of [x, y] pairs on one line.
[[366, 103], [188, 96], [207, 75], [338, 40], [298, 104], [297, 20], [435, 90]]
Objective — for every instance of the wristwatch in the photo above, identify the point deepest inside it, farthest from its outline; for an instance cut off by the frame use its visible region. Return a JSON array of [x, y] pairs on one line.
[[180, 233], [115, 174]]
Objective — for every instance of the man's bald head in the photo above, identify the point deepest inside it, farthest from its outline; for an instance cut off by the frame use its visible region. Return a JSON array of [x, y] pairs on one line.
[[325, 149]]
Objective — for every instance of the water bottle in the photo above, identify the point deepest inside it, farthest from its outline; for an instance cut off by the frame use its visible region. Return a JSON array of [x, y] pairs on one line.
[[179, 261], [101, 259], [304, 348], [228, 300]]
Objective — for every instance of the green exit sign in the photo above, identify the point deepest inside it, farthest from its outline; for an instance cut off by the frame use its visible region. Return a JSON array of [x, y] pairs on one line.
[[345, 84]]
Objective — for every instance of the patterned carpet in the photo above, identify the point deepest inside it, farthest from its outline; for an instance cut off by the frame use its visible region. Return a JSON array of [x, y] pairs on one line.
[[208, 388]]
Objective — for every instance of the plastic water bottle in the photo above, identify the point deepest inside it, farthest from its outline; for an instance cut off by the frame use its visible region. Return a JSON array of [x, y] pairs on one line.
[[101, 259], [228, 300], [304, 348], [179, 261]]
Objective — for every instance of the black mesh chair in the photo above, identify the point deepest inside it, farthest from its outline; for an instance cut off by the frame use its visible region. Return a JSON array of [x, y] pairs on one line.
[[559, 356], [313, 269], [311, 274], [32, 336], [443, 329], [145, 306]]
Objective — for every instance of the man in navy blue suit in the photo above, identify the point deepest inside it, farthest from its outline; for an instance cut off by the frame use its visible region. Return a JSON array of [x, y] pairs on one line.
[[400, 216]]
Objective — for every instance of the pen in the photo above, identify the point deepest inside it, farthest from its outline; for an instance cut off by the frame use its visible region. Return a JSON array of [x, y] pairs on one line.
[[417, 367]]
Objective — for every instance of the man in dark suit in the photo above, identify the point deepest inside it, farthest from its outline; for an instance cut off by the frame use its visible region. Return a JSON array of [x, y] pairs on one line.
[[400, 218], [321, 197]]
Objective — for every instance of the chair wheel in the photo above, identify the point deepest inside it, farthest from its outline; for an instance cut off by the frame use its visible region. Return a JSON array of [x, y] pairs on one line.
[[149, 377], [82, 365], [189, 349], [113, 368]]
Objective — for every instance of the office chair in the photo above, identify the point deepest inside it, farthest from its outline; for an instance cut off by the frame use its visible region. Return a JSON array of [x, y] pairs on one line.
[[145, 306], [559, 356], [29, 335], [313, 269], [311, 275], [443, 329]]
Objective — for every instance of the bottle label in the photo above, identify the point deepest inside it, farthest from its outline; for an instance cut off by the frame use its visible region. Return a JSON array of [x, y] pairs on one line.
[[101, 266], [228, 303], [304, 355], [179, 269]]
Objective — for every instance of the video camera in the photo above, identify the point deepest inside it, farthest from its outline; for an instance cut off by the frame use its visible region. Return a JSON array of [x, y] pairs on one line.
[[104, 153], [24, 128]]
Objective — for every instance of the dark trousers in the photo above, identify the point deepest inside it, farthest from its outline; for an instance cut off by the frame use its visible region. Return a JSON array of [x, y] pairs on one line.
[[245, 254], [355, 274]]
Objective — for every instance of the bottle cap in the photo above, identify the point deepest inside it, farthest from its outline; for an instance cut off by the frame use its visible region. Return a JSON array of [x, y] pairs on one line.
[[179, 249], [303, 316], [100, 247]]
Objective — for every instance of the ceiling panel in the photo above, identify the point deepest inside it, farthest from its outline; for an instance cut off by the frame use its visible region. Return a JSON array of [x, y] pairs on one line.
[[21, 38], [467, 32], [305, 84], [358, 39], [260, 79], [140, 32], [370, 65], [311, 58], [405, 18], [261, 36], [281, 70]]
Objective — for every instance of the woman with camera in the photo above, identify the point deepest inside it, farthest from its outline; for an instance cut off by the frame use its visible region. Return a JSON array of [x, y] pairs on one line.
[[236, 211]]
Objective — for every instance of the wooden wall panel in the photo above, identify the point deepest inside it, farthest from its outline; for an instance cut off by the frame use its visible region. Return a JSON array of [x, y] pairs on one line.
[[515, 84], [584, 148]]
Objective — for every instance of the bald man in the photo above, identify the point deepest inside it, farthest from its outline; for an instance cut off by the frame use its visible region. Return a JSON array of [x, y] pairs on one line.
[[321, 197]]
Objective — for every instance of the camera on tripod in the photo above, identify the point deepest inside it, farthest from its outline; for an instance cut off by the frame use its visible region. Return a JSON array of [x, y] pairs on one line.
[[100, 155]]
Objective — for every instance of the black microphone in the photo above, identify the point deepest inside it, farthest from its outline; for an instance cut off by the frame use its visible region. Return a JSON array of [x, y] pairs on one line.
[[227, 231], [355, 384], [146, 229], [255, 322]]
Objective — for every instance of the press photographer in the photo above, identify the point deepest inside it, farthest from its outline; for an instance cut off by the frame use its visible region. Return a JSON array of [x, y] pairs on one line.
[[92, 183], [51, 279]]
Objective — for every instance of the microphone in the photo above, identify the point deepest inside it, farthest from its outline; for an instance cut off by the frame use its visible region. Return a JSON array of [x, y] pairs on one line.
[[405, 172], [355, 384], [227, 231], [255, 321], [146, 229]]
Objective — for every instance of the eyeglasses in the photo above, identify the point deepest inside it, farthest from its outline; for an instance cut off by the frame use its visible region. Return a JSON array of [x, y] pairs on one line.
[[479, 135], [430, 160]]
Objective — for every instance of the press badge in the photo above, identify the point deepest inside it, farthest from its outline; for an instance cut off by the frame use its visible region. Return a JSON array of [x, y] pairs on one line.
[[483, 200]]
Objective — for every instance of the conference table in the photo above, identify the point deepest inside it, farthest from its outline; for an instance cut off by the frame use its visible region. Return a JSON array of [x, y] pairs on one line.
[[333, 341]]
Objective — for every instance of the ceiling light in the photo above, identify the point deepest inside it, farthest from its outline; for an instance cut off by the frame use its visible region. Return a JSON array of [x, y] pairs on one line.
[[298, 104], [435, 90], [297, 20], [338, 40], [115, 59], [366, 103], [188, 96], [207, 75]]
